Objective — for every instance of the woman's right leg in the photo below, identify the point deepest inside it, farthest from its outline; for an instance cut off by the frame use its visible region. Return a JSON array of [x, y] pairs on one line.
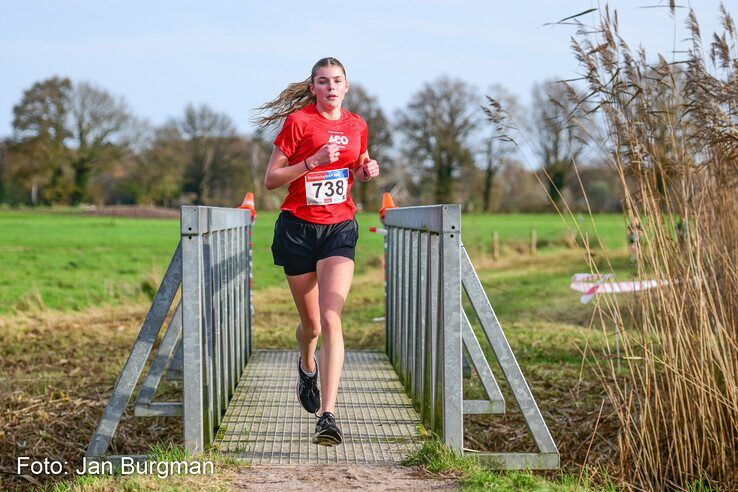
[[305, 294]]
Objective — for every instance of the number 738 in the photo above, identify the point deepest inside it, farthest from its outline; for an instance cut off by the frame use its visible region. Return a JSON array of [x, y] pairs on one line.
[[330, 189]]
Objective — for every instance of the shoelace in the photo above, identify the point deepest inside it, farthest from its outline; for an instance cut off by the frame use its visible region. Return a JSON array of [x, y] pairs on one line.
[[330, 417], [311, 391], [312, 385]]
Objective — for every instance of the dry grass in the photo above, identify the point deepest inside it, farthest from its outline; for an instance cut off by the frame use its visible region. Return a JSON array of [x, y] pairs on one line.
[[574, 404], [58, 370], [672, 129]]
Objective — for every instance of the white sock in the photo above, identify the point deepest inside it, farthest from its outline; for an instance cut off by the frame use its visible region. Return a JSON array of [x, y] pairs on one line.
[[309, 374]]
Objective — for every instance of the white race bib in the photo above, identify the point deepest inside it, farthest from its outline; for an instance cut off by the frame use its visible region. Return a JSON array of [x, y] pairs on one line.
[[326, 187]]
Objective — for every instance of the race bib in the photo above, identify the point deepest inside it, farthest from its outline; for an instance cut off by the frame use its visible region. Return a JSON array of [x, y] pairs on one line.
[[326, 187]]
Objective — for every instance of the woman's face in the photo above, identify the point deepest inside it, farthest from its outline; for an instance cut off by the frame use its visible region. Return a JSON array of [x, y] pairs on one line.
[[329, 86]]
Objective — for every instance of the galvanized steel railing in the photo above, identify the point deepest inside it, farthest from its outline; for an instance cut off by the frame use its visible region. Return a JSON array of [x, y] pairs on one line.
[[427, 328], [216, 315], [208, 340], [423, 294]]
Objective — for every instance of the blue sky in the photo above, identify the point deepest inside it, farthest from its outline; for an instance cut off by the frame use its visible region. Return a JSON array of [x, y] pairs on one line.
[[235, 55]]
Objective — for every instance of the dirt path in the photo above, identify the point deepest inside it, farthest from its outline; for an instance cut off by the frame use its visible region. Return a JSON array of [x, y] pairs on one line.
[[339, 477]]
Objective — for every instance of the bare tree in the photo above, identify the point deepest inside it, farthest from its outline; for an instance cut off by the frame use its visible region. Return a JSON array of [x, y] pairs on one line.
[[438, 125], [100, 127], [231, 173], [557, 125], [43, 109], [38, 155], [259, 152], [209, 136], [158, 172], [359, 101], [3, 168], [499, 145]]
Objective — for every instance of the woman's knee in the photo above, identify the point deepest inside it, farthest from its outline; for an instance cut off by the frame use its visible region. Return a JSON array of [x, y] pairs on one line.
[[330, 321], [311, 327]]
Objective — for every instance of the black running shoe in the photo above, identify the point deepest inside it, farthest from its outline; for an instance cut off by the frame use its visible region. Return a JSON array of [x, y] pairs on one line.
[[307, 389], [327, 432]]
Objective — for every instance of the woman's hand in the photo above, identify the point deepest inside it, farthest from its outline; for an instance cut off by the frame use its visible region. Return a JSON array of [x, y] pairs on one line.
[[368, 170], [327, 154]]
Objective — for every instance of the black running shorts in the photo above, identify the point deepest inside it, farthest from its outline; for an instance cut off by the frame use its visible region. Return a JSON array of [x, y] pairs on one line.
[[299, 244]]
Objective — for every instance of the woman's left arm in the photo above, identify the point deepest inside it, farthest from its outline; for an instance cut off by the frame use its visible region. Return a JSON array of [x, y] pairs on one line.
[[365, 168]]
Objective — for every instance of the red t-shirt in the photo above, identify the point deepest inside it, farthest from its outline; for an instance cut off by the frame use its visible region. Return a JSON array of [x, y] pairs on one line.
[[327, 198]]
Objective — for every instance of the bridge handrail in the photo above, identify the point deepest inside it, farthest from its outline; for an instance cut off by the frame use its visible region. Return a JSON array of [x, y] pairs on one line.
[[426, 330], [216, 315], [208, 339], [423, 320]]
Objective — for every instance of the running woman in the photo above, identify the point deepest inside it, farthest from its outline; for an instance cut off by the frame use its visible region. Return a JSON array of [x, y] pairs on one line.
[[318, 153]]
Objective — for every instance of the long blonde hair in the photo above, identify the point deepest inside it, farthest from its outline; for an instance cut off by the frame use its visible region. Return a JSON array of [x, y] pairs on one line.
[[296, 96]]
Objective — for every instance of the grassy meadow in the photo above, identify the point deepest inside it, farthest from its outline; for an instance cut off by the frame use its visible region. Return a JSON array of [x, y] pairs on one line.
[[69, 261], [75, 289]]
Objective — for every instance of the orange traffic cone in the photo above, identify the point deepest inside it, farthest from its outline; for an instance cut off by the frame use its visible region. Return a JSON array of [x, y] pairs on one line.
[[387, 202], [248, 204]]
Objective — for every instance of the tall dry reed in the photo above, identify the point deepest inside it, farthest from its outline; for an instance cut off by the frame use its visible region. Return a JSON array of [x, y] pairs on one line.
[[672, 130]]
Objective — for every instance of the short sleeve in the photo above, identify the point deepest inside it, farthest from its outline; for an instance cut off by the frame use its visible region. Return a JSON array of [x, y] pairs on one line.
[[364, 136], [289, 137]]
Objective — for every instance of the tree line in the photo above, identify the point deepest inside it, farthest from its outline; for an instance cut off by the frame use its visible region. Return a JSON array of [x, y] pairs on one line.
[[76, 143]]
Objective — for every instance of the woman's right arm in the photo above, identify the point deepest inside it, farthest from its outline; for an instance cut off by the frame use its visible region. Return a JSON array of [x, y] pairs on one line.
[[279, 172]]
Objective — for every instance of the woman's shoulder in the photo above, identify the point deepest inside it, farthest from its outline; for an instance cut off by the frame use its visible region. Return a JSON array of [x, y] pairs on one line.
[[353, 117], [298, 119], [302, 114]]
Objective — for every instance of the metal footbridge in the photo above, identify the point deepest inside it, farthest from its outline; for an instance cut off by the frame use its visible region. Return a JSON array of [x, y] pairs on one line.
[[241, 401]]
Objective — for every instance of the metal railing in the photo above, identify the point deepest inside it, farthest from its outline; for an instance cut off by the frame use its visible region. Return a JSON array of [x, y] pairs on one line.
[[208, 340], [427, 329], [216, 315]]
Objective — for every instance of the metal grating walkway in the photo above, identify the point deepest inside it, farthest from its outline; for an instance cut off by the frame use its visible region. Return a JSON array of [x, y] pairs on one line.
[[265, 423]]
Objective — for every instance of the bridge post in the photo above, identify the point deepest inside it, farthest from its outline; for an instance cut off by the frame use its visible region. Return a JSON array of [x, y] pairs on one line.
[[450, 341], [192, 339]]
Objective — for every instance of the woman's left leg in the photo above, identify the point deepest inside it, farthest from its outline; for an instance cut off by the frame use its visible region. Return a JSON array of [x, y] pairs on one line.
[[335, 274]]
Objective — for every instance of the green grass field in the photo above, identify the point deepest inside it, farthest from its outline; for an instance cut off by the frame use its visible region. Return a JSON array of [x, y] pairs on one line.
[[69, 261]]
